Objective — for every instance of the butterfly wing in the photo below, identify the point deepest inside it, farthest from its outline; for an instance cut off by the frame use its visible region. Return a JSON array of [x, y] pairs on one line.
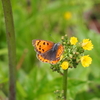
[[59, 51], [42, 46], [41, 58], [47, 51], [53, 55]]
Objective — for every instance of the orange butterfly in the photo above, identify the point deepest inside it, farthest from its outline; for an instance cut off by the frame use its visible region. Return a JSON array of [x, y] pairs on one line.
[[48, 51]]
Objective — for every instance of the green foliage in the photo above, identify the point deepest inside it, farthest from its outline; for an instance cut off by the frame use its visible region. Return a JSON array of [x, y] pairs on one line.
[[45, 20]]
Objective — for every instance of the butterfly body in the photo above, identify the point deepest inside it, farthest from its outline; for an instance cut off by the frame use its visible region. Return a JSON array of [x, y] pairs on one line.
[[48, 51]]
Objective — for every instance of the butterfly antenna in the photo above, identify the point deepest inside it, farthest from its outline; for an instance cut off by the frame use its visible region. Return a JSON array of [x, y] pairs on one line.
[[53, 38]]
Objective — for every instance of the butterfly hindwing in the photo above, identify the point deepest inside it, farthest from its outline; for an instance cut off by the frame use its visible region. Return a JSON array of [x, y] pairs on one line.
[[41, 58]]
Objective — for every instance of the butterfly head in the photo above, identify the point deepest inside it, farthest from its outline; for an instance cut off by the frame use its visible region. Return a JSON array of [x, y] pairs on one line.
[[55, 47]]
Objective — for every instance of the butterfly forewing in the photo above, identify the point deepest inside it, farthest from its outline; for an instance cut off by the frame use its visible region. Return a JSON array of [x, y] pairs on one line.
[[42, 46]]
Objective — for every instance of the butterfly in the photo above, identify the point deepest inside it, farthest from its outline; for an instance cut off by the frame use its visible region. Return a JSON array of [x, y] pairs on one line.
[[48, 51]]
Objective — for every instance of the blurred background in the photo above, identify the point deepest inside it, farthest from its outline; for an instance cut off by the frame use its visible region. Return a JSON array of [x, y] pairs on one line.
[[49, 20]]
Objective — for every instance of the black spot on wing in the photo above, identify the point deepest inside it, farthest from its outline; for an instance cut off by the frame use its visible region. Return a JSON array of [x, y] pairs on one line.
[[38, 43], [47, 43], [43, 50], [43, 43]]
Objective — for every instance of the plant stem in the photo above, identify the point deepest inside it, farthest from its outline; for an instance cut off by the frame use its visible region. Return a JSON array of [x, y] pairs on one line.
[[11, 47], [65, 84]]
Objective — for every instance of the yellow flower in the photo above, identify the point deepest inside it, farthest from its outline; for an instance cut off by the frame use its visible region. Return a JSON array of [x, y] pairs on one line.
[[87, 44], [64, 65], [68, 15], [86, 60], [73, 40]]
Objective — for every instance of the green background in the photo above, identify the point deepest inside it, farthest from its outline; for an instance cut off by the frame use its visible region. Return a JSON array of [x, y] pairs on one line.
[[44, 19]]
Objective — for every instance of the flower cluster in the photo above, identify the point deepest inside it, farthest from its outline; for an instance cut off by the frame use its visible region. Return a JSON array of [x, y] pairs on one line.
[[74, 52]]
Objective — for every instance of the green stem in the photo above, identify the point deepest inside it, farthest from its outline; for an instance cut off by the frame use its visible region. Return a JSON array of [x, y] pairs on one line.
[[65, 84], [11, 47]]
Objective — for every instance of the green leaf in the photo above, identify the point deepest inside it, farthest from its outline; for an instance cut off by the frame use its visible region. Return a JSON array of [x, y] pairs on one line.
[[21, 90]]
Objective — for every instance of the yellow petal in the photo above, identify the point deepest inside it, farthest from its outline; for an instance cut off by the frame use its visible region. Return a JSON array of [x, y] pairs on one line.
[[87, 44], [64, 65], [68, 15], [73, 40], [86, 60]]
